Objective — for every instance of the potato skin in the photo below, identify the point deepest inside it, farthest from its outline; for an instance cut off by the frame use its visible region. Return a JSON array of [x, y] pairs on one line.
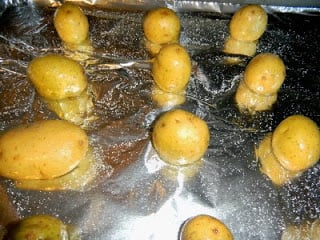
[[265, 73], [205, 227], [166, 99], [296, 143], [180, 137], [235, 46], [248, 23], [171, 69], [251, 102], [269, 164], [71, 23], [42, 150], [161, 25], [57, 77], [38, 227]]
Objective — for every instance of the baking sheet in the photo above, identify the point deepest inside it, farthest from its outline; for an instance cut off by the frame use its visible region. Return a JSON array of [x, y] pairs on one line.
[[137, 196]]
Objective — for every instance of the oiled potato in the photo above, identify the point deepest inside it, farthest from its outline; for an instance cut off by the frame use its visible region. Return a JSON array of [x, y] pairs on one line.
[[42, 150], [56, 77], [71, 23], [171, 69], [38, 227], [251, 102], [248, 23], [161, 25], [153, 48], [234, 46], [76, 180], [269, 164], [180, 137], [166, 99], [296, 143], [78, 110], [265, 73], [205, 227]]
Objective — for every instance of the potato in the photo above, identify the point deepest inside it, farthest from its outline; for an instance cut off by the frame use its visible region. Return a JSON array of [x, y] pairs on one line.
[[171, 68], [76, 180], [42, 150], [205, 227], [78, 110], [248, 101], [265, 73], [166, 99], [296, 143], [153, 48], [57, 77], [234, 46], [269, 164], [71, 24], [38, 227], [248, 23], [180, 137], [161, 26]]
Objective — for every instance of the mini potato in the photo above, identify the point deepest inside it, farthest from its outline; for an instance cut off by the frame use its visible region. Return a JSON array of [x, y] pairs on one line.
[[161, 25], [180, 137], [248, 23], [235, 46], [166, 99], [78, 110], [171, 68], [296, 143], [251, 102], [269, 164], [71, 24], [205, 227], [57, 77], [265, 73], [76, 180], [42, 150], [41, 226]]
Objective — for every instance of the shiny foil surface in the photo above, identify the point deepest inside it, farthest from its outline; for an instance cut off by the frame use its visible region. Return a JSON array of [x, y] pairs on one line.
[[135, 195]]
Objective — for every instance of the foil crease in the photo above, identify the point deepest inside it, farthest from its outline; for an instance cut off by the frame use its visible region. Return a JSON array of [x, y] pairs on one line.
[[136, 195]]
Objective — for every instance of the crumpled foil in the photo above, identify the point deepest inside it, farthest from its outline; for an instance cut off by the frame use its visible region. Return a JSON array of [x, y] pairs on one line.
[[136, 195]]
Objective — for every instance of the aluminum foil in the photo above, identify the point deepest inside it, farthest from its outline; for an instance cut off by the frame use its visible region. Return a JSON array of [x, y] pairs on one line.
[[136, 195]]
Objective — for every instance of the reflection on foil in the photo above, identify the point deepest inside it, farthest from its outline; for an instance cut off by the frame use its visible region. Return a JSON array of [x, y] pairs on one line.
[[138, 196]]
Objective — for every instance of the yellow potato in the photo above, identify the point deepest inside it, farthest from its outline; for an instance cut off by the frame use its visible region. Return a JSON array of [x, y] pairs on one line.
[[171, 68], [78, 110], [248, 23], [234, 46], [248, 101], [180, 137], [42, 150], [296, 143], [38, 227], [76, 180], [166, 99], [265, 73], [161, 25], [153, 48], [71, 24], [56, 77], [269, 164], [205, 227]]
